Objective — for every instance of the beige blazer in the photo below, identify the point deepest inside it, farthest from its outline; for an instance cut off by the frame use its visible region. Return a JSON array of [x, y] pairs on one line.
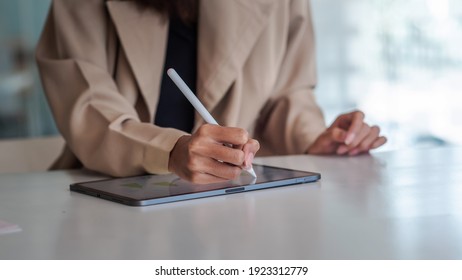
[[101, 65]]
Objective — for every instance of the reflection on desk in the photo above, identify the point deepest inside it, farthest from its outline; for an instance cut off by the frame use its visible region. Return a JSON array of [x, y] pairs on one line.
[[392, 205]]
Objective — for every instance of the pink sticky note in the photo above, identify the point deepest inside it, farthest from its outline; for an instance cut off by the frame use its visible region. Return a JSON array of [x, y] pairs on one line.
[[6, 228]]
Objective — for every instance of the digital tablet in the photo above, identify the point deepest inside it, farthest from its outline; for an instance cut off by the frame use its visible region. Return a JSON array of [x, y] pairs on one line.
[[156, 189]]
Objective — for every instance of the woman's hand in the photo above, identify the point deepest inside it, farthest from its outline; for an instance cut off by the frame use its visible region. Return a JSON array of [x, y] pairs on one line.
[[348, 135], [206, 156]]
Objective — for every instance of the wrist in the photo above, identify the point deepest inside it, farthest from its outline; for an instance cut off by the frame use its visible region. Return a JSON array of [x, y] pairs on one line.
[[178, 152]]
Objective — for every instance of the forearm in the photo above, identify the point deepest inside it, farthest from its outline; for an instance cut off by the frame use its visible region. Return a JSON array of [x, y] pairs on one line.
[[291, 119], [99, 123]]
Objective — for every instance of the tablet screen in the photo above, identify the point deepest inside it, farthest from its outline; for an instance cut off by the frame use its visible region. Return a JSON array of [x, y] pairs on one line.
[[150, 187]]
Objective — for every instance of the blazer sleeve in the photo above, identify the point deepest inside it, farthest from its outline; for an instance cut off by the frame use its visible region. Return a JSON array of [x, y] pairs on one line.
[[291, 120], [101, 127]]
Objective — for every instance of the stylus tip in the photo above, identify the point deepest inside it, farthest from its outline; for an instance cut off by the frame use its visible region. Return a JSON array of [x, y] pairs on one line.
[[251, 172]]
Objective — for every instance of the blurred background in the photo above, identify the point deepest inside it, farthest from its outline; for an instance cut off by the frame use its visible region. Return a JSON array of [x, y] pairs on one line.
[[398, 61], [23, 108]]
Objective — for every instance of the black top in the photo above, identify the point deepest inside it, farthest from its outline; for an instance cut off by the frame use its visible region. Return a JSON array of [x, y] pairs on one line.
[[173, 109]]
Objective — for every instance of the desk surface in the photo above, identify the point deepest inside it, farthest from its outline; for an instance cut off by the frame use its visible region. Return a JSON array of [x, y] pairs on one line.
[[392, 205]]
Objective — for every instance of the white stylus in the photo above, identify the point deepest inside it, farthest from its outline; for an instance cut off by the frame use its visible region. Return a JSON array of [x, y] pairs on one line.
[[196, 103]]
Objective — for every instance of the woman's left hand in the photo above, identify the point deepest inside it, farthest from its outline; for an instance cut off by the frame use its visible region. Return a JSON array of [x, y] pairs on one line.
[[348, 135]]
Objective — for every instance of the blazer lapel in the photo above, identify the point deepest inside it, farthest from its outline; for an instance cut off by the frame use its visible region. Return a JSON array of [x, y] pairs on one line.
[[228, 29], [143, 35]]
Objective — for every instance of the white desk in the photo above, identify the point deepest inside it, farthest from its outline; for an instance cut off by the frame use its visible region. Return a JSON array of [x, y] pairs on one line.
[[400, 205]]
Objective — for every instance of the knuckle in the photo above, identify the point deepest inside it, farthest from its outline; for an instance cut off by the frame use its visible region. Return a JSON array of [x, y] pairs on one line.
[[190, 165], [366, 127], [243, 135], [334, 131], [239, 157], [208, 126], [204, 129], [256, 144], [201, 130], [194, 145]]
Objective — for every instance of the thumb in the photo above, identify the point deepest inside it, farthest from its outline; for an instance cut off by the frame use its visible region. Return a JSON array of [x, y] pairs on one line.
[[250, 149]]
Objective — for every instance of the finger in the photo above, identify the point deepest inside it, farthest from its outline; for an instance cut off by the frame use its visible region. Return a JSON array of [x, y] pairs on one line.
[[344, 120], [218, 152], [203, 145], [366, 143], [342, 149], [206, 165], [379, 142], [332, 136], [338, 135], [357, 121], [328, 141], [360, 136], [252, 146], [218, 169], [228, 135], [353, 148], [250, 149]]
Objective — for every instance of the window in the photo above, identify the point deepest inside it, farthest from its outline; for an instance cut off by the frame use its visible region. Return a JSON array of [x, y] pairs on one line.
[[398, 61]]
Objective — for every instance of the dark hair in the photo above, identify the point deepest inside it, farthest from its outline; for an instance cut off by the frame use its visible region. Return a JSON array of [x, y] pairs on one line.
[[186, 10]]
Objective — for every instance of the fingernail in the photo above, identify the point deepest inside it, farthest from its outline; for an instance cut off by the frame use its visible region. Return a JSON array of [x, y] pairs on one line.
[[342, 149], [248, 161], [350, 138]]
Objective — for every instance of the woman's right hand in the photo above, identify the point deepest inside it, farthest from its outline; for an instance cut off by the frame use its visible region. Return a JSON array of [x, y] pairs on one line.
[[206, 156]]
